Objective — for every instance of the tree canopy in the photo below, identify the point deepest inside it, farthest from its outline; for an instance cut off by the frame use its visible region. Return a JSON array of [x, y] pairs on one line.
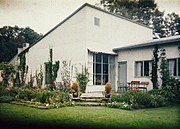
[[12, 38], [146, 12]]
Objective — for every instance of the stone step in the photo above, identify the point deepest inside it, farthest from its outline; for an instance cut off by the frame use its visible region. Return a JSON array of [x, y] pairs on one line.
[[91, 100], [95, 95], [89, 104]]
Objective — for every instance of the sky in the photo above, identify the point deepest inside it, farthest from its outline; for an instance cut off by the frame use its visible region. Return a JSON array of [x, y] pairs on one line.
[[43, 15]]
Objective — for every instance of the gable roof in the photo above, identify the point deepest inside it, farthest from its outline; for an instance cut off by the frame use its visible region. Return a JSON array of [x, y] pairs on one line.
[[161, 41], [84, 5]]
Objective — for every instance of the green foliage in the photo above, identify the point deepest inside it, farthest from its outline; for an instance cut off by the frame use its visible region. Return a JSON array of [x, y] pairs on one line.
[[52, 69], [43, 96], [164, 68], [6, 99], [50, 97], [146, 12], [154, 72], [172, 24], [26, 94], [154, 98], [7, 71], [12, 38], [134, 98], [119, 105], [82, 79], [140, 11]]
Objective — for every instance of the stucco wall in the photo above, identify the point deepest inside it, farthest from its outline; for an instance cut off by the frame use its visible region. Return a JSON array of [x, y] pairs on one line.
[[143, 54], [113, 31], [67, 41]]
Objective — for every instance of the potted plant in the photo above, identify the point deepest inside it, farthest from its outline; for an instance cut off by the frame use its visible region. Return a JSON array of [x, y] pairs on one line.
[[108, 88], [75, 89]]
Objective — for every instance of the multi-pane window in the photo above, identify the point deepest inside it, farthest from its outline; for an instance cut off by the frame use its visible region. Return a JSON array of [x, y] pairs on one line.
[[101, 68], [143, 68], [173, 66]]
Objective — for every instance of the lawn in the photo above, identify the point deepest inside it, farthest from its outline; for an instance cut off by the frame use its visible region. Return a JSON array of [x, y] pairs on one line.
[[18, 116]]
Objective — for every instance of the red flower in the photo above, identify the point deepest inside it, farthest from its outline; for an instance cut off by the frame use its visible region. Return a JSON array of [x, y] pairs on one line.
[[52, 83], [56, 92]]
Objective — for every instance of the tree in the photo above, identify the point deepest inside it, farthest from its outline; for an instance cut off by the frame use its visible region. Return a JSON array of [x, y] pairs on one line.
[[154, 72], [12, 38], [172, 24], [137, 10], [146, 12]]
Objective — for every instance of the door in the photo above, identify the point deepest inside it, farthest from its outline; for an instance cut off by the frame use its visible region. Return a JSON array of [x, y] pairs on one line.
[[122, 73]]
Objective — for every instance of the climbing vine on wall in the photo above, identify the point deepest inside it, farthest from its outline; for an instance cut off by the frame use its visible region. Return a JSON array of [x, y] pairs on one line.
[[52, 69]]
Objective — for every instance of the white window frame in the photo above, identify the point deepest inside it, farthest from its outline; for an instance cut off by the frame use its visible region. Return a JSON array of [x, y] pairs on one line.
[[142, 74]]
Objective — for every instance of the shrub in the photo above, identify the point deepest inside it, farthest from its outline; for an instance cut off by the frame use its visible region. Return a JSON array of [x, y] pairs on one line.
[[116, 98], [3, 91], [26, 94], [121, 105], [158, 101], [44, 96], [136, 99], [14, 91], [6, 99], [82, 79]]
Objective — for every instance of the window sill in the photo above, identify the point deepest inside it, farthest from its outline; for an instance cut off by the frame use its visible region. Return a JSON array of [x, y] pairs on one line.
[[142, 77]]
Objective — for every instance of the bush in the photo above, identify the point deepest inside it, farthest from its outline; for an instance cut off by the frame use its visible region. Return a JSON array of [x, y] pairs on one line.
[[3, 91], [82, 79], [44, 96], [14, 91], [6, 99], [26, 94], [158, 101], [136, 99], [122, 105]]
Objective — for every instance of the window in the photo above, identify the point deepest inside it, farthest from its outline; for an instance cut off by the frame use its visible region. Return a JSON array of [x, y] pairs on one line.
[[96, 21], [143, 68], [173, 66], [101, 68]]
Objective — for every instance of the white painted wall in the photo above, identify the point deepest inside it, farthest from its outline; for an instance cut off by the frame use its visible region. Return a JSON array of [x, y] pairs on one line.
[[113, 31], [142, 54], [68, 42]]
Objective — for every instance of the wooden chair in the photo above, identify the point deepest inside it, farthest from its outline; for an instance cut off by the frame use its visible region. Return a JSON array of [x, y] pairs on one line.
[[143, 86], [134, 85]]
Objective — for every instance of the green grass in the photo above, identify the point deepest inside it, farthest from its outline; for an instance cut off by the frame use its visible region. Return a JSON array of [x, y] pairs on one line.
[[18, 116]]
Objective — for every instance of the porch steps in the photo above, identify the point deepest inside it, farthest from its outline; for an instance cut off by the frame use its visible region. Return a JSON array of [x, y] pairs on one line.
[[93, 95], [90, 99]]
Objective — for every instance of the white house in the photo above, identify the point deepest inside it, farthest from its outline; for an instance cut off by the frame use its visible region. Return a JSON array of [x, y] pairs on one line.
[[134, 62], [96, 38]]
